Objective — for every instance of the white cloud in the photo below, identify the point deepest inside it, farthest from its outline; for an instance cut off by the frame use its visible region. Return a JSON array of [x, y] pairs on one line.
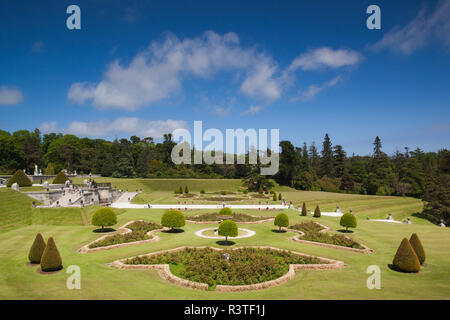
[[325, 57], [123, 125], [313, 90], [420, 31], [10, 96], [221, 111], [252, 110], [158, 72]]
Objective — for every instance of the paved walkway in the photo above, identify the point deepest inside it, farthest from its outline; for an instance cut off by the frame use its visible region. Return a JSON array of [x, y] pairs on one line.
[[127, 205]]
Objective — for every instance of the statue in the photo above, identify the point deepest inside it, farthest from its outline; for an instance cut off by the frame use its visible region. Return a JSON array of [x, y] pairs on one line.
[[15, 186], [36, 171]]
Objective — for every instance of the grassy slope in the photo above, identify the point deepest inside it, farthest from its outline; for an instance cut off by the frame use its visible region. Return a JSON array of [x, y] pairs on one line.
[[17, 280], [71, 231]]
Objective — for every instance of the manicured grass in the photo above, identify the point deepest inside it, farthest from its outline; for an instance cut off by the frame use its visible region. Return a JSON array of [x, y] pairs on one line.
[[70, 228]]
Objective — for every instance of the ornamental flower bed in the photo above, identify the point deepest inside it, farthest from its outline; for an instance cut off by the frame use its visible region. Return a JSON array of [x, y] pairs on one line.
[[334, 239], [138, 232], [244, 266], [237, 217], [308, 226]]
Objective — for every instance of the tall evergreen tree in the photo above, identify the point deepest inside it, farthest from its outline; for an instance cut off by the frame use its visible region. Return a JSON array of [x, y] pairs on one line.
[[326, 162]]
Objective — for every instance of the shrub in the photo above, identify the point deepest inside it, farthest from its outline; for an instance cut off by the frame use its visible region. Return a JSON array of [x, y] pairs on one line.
[[260, 190], [336, 239], [21, 178], [173, 219], [228, 228], [225, 212], [406, 259], [416, 244], [304, 211], [176, 191], [223, 193], [307, 226], [317, 212], [348, 220], [279, 196], [50, 170], [281, 220], [37, 249], [273, 192], [245, 191], [60, 178], [51, 259], [104, 217], [202, 191], [274, 197], [186, 190]]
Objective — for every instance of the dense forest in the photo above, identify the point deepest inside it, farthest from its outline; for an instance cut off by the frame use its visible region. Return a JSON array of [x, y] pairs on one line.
[[405, 173]]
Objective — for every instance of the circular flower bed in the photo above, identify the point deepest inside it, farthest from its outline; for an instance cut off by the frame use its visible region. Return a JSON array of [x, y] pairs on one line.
[[211, 234], [242, 266], [236, 217]]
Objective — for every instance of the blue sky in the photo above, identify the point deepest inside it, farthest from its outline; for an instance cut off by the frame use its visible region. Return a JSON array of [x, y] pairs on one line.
[[304, 67]]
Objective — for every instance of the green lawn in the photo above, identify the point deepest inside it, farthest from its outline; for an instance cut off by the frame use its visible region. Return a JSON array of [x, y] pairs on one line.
[[70, 228]]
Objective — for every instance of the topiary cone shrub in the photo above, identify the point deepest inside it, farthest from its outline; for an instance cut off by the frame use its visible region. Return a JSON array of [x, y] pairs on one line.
[[348, 220], [60, 178], [274, 198], [173, 219], [317, 213], [51, 259], [226, 212], [228, 228], [21, 178], [406, 259], [416, 244], [104, 217], [304, 211], [279, 196], [37, 249], [186, 189], [281, 220]]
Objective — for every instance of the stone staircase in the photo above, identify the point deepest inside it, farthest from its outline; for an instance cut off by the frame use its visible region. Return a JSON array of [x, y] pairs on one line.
[[74, 198]]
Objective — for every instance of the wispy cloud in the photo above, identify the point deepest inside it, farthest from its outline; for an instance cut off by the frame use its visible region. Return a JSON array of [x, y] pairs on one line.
[[123, 125], [10, 96], [158, 72], [313, 90], [132, 14], [252, 110], [422, 30], [325, 57]]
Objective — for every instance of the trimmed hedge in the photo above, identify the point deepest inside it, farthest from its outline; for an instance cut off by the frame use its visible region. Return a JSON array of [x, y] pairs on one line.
[[348, 220], [51, 259], [37, 249], [228, 228], [281, 220], [416, 244], [405, 258], [21, 178], [104, 217], [304, 211], [60, 178], [317, 213], [226, 212], [173, 219]]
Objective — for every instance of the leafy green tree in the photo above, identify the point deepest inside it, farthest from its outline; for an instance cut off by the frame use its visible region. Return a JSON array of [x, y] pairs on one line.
[[108, 166], [288, 164], [256, 181], [104, 217], [49, 170], [281, 220], [173, 219], [339, 161], [348, 220], [347, 183], [228, 228], [327, 160]]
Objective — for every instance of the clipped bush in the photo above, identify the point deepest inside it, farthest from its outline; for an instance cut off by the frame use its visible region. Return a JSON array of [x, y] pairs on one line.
[[173, 219], [348, 220], [260, 190], [21, 178], [186, 190], [60, 178], [224, 193], [225, 212], [279, 196], [180, 190], [274, 197], [317, 212], [281, 220], [304, 211], [37, 249], [228, 228], [176, 191], [416, 244], [245, 191], [104, 217], [51, 259], [202, 191], [405, 258]]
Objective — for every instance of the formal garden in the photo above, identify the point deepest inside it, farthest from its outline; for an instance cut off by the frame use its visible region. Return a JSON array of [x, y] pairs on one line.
[[223, 253]]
